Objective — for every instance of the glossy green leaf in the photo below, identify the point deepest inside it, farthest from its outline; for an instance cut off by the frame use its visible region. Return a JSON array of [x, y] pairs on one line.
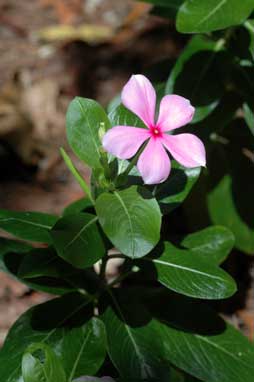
[[83, 349], [227, 356], [249, 25], [130, 219], [141, 344], [197, 16], [192, 275], [174, 330], [88, 378], [176, 188], [204, 59], [15, 260], [48, 369], [77, 239], [214, 243], [249, 117], [200, 343], [7, 245], [122, 116], [230, 192], [223, 210], [77, 206], [52, 323], [32, 226], [83, 121], [44, 267]]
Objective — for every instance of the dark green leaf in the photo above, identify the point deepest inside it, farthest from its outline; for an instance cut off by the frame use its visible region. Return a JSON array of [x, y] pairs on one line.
[[130, 221], [79, 205], [122, 116], [200, 57], [32, 226], [83, 121], [172, 193], [15, 259], [214, 243], [249, 117], [197, 16], [200, 343], [192, 275], [249, 25], [230, 194], [141, 344], [77, 240], [223, 210], [83, 349], [47, 370], [52, 323]]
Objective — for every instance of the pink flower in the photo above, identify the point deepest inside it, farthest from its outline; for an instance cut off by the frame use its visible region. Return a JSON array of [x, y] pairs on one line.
[[139, 96]]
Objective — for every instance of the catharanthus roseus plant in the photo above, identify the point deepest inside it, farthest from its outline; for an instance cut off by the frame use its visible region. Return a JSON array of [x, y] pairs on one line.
[[151, 318]]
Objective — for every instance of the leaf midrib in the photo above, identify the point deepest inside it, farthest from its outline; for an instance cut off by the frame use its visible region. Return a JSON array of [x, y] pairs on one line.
[[129, 221], [192, 270], [212, 12], [4, 220], [89, 127], [72, 373], [92, 221]]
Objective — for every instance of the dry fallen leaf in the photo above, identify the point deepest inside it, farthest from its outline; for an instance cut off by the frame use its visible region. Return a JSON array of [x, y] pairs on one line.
[[91, 33]]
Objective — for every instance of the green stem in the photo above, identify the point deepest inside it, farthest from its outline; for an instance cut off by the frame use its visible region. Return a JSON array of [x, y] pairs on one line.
[[77, 175]]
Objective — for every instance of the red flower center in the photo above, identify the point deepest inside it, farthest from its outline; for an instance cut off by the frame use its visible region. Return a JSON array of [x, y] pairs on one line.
[[155, 131]]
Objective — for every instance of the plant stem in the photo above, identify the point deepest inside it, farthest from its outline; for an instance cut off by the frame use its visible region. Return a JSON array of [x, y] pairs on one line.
[[77, 175]]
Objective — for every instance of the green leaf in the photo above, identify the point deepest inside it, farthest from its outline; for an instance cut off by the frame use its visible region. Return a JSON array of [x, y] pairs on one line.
[[203, 58], [83, 120], [39, 262], [200, 343], [130, 221], [230, 191], [177, 330], [79, 205], [7, 245], [173, 192], [197, 16], [122, 116], [15, 260], [249, 117], [249, 25], [83, 349], [191, 275], [44, 266], [55, 323], [223, 210], [47, 370], [141, 344], [213, 243], [77, 240], [32, 226]]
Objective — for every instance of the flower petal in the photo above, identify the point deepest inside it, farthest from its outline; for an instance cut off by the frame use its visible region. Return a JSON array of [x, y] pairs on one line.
[[154, 164], [124, 141], [139, 96], [187, 149], [175, 111]]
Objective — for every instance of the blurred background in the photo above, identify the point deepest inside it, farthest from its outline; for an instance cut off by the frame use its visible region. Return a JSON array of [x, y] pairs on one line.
[[50, 51]]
